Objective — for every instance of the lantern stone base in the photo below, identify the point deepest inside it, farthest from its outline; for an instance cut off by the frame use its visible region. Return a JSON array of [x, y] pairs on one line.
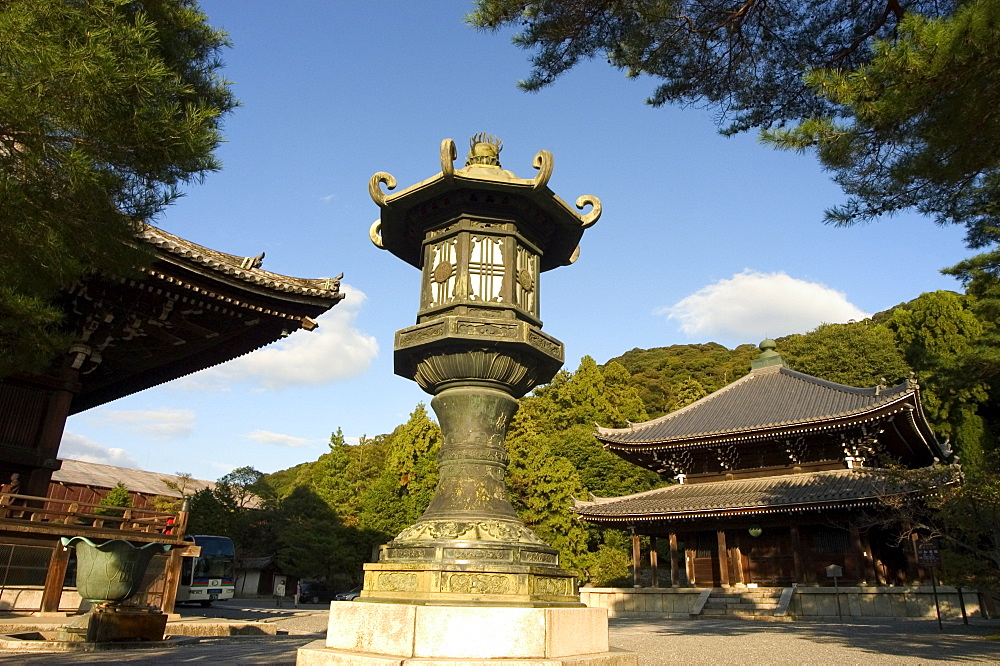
[[380, 634]]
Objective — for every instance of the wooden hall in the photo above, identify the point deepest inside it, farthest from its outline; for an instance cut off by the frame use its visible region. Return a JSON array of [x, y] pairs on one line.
[[187, 308], [775, 473]]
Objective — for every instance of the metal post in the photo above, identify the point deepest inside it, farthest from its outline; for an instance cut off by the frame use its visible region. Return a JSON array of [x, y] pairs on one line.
[[937, 605], [836, 593], [961, 604]]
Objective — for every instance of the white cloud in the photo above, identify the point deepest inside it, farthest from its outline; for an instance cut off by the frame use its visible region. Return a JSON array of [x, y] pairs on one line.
[[162, 423], [333, 352], [751, 306], [78, 447], [278, 439]]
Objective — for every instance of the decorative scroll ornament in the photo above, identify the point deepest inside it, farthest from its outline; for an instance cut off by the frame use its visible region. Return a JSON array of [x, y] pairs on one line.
[[448, 156], [543, 162], [375, 234], [591, 218], [374, 189]]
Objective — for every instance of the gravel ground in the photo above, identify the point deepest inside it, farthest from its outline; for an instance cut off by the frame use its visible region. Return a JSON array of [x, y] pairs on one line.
[[667, 642]]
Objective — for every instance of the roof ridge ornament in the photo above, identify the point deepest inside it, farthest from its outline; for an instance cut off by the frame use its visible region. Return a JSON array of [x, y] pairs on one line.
[[768, 356]]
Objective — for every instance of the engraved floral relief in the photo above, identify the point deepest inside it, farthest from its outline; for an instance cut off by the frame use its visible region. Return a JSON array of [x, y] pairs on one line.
[[552, 586], [534, 557], [492, 329], [410, 553], [420, 335], [496, 530], [397, 582], [480, 583], [476, 554]]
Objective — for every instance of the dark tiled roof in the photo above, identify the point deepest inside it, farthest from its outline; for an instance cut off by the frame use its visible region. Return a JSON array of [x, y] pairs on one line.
[[768, 397], [234, 266], [97, 475], [772, 494]]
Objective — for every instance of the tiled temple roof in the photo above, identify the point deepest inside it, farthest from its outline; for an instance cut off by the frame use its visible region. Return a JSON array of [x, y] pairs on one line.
[[771, 494], [244, 269], [98, 475], [769, 397]]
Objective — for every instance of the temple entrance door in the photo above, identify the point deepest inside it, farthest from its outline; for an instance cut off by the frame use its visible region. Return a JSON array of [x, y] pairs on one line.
[[769, 558], [706, 560]]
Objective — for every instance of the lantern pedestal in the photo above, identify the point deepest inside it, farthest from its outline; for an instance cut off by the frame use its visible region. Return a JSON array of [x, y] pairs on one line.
[[364, 633]]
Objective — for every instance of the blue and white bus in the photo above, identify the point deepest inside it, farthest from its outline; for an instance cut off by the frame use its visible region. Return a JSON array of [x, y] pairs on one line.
[[210, 576]]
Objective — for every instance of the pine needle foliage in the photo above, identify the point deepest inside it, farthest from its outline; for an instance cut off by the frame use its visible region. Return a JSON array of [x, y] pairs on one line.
[[742, 58], [916, 127], [107, 107]]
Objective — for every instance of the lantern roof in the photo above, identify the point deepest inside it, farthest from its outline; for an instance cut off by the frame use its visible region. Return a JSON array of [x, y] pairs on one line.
[[481, 187]]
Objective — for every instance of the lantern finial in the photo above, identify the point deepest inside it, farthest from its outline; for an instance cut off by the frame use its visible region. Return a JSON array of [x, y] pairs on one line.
[[484, 151]]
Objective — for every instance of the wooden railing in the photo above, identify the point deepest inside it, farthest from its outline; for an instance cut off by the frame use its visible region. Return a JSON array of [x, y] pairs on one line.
[[82, 516]]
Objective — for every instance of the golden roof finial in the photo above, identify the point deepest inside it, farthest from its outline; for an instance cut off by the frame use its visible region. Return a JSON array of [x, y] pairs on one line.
[[484, 151]]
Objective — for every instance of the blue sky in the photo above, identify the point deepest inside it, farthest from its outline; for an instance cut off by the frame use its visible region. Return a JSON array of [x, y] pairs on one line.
[[703, 238]]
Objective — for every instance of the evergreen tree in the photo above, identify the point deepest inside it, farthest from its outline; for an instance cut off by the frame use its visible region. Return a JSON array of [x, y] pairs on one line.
[[861, 353], [117, 497], [312, 543], [406, 485], [106, 108], [936, 330], [542, 487], [240, 506], [566, 412]]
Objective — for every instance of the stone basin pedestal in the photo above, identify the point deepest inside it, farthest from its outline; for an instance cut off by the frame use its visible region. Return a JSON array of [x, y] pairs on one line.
[[113, 624]]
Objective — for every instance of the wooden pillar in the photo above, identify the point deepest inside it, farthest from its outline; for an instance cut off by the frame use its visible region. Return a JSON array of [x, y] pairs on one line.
[[60, 398], [55, 578], [797, 558], [863, 555], [689, 566], [654, 561], [636, 561], [738, 562], [675, 574], [171, 577], [723, 559]]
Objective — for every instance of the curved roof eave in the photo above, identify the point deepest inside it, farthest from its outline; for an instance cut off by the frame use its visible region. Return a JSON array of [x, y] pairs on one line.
[[231, 268]]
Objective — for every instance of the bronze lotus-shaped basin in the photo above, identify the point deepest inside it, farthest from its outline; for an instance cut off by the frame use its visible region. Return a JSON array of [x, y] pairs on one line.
[[112, 571]]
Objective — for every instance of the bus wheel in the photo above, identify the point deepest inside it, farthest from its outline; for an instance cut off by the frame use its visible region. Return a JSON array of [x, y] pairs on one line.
[[206, 604]]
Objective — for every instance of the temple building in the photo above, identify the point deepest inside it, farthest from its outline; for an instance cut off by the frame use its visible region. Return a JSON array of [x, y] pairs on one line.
[[775, 474], [188, 308]]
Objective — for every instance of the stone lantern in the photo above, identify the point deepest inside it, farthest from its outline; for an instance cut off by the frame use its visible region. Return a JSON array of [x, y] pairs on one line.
[[469, 581], [481, 237]]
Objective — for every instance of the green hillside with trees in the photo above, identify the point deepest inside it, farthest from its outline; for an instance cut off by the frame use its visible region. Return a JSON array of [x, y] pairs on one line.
[[324, 519]]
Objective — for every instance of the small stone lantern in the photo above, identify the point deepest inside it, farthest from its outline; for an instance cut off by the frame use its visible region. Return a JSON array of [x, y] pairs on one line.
[[481, 238]]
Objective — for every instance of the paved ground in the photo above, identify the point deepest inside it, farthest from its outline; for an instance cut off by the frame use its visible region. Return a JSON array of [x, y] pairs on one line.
[[667, 642]]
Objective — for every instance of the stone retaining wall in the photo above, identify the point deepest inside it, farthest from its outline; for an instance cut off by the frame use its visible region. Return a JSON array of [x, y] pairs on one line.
[[24, 598], [806, 602]]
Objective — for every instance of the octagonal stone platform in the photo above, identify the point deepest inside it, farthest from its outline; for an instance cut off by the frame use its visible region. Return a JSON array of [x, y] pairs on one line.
[[366, 633]]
